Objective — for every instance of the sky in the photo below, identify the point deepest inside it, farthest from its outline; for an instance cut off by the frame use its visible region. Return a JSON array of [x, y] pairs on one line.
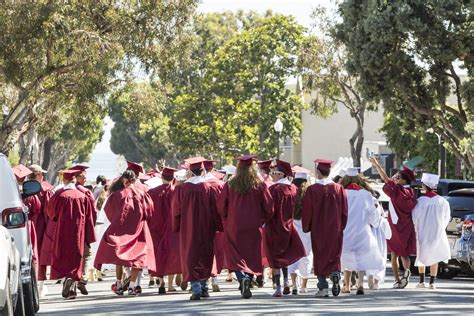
[[104, 161]]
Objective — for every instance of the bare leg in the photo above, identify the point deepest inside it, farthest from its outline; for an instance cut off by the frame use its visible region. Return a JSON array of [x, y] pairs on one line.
[[119, 272], [134, 275], [161, 282], [395, 267], [170, 283], [434, 270], [347, 282], [304, 283], [360, 279], [406, 262], [293, 280], [421, 269]]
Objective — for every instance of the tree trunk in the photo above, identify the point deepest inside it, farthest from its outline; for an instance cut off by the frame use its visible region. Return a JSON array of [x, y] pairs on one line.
[[357, 140]]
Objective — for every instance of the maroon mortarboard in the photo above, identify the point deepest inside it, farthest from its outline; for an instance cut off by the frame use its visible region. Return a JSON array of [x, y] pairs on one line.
[[195, 162], [409, 173], [21, 172], [209, 164], [285, 167], [134, 167], [247, 159], [217, 174], [79, 167], [144, 177], [323, 164], [263, 164], [69, 174], [168, 171], [299, 169], [153, 173]]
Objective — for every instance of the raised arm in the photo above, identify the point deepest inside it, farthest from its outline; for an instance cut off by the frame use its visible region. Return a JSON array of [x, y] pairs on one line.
[[383, 175]]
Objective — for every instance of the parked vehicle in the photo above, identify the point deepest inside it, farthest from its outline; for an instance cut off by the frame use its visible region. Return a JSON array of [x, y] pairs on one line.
[[465, 245], [11, 299], [14, 217]]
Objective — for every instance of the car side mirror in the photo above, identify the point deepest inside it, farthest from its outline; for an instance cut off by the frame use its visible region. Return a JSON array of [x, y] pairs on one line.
[[13, 218], [30, 188]]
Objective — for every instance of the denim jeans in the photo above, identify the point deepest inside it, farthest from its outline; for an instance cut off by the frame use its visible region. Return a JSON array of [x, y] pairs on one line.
[[242, 275], [323, 282], [197, 287]]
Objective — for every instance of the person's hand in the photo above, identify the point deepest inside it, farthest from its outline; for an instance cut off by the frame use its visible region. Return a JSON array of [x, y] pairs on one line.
[[373, 160]]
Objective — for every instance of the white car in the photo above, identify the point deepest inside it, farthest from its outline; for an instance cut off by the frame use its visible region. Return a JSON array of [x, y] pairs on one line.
[[14, 217], [10, 281]]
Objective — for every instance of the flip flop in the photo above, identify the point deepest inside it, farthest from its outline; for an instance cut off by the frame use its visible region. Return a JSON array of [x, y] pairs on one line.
[[404, 280]]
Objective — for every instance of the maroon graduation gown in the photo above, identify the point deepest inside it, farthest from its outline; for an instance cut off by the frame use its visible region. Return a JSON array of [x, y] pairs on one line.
[[324, 214], [50, 232], [243, 216], [127, 241], [90, 196], [195, 218], [282, 243], [34, 209], [72, 211], [219, 247], [403, 241], [165, 241]]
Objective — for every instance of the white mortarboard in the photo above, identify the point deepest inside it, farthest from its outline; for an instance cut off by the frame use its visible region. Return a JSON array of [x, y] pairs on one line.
[[300, 172], [229, 169], [352, 171], [180, 175], [342, 172], [430, 180]]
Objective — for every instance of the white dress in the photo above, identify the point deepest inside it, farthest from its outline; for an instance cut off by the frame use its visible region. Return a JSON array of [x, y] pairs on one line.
[[382, 233], [430, 218], [303, 266], [360, 251]]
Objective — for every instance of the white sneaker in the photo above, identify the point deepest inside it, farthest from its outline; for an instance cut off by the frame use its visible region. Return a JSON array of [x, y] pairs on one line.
[[432, 286], [322, 293], [421, 286]]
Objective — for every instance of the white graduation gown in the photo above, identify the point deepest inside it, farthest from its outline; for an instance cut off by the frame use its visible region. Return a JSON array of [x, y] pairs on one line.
[[360, 251], [382, 233], [302, 267], [430, 218]]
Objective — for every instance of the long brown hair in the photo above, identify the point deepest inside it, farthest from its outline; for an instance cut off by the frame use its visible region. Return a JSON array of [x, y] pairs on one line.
[[302, 185], [118, 184], [347, 180], [245, 179]]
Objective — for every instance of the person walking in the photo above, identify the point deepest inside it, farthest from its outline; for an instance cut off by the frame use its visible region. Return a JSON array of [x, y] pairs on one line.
[[127, 242], [282, 244], [402, 202], [245, 205], [324, 214], [195, 218], [431, 217], [359, 248]]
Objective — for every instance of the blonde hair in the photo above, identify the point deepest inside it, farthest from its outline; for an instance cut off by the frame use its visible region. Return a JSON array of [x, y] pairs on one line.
[[245, 178], [347, 180]]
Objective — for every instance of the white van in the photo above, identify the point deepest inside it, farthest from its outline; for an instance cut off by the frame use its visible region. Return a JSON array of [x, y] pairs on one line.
[[14, 218], [11, 299]]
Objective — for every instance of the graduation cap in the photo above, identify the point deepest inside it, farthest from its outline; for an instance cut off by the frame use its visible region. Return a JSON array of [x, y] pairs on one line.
[[209, 164], [229, 169], [168, 172], [300, 172], [69, 174], [21, 172], [323, 164], [284, 167], [195, 162], [263, 164], [135, 167], [430, 180], [352, 171], [409, 173], [247, 159], [79, 167], [217, 174]]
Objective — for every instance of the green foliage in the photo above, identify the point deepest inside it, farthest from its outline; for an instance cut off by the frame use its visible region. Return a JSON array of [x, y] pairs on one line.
[[242, 92], [407, 54]]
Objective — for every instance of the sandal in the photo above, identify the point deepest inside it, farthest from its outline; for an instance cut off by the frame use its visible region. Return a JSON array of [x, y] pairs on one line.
[[396, 285], [345, 289], [404, 280]]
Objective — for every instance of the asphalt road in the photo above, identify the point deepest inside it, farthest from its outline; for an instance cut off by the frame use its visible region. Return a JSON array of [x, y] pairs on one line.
[[454, 296]]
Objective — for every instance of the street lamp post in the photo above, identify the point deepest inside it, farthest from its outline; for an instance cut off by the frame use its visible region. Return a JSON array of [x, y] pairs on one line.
[[278, 126], [442, 154]]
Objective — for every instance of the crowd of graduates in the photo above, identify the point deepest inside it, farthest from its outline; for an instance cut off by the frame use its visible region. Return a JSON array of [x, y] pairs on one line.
[[261, 214]]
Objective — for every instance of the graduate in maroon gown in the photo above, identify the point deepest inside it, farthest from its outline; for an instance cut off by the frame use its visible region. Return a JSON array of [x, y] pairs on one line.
[[245, 205], [165, 241], [40, 220], [138, 170], [402, 202], [264, 170], [72, 211], [211, 177], [324, 214], [81, 177], [127, 242], [196, 220], [282, 242]]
